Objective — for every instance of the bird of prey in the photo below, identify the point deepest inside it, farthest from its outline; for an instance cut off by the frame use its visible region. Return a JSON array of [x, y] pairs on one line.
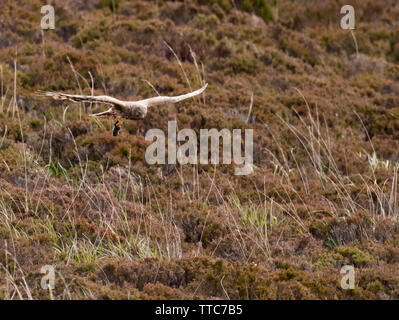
[[135, 110]]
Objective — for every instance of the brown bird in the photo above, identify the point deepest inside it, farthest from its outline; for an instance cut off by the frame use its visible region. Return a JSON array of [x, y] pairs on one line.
[[135, 110]]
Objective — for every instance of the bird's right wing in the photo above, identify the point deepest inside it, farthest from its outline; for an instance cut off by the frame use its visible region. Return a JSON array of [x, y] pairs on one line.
[[83, 98], [165, 99]]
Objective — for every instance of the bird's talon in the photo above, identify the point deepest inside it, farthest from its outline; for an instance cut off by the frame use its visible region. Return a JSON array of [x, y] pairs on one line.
[[117, 127]]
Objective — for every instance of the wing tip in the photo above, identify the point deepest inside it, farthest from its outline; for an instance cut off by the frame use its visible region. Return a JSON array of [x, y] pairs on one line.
[[203, 87], [51, 94], [40, 93]]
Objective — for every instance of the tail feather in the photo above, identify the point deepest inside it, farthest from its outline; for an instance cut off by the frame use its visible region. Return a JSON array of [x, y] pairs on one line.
[[104, 113]]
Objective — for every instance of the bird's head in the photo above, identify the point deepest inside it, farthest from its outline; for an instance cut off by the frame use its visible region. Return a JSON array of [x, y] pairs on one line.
[[139, 113]]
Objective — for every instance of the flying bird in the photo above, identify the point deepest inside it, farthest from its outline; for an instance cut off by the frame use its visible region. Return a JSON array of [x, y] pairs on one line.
[[134, 110]]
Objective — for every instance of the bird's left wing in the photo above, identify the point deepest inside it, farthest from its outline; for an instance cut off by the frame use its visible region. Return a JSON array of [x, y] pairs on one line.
[[164, 99]]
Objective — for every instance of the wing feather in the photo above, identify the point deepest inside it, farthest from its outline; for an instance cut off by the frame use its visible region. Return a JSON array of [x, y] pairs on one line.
[[164, 99], [83, 98]]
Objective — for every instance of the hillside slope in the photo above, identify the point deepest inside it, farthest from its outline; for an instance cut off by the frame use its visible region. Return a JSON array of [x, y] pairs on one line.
[[323, 193]]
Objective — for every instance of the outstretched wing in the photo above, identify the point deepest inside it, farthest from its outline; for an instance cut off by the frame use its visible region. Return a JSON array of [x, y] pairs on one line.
[[163, 99], [83, 98]]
